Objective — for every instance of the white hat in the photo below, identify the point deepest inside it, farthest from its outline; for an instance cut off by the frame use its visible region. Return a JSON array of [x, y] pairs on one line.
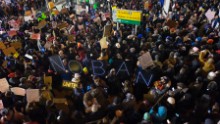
[[118, 45], [76, 78], [211, 75], [171, 100]]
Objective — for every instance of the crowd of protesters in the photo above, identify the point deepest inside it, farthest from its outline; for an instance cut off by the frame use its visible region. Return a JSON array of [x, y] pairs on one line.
[[186, 78]]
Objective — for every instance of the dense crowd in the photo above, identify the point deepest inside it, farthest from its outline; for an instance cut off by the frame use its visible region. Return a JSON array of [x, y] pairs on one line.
[[181, 86]]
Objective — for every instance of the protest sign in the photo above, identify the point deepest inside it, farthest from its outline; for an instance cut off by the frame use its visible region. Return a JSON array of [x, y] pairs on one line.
[[57, 64], [62, 25], [2, 46], [127, 16], [1, 105], [42, 24], [79, 9], [14, 24], [69, 84], [59, 100], [103, 43], [33, 95], [12, 33], [16, 45], [107, 31], [51, 5], [48, 81], [28, 13], [146, 60], [4, 86], [210, 15], [4, 64], [18, 91], [35, 36], [28, 18], [9, 51], [165, 8]]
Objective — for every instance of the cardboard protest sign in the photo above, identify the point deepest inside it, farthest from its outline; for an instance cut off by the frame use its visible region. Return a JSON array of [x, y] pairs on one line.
[[33, 95], [107, 31], [4, 64], [1, 105], [9, 51], [2, 45], [62, 25], [18, 91], [16, 45], [57, 64], [51, 5], [69, 84], [12, 33], [210, 15], [103, 43], [48, 81], [55, 12], [42, 24], [146, 60], [165, 8], [28, 13], [4, 86], [60, 101], [35, 36]]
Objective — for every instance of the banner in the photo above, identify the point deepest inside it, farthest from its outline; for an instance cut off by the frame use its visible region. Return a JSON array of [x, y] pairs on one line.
[[69, 84], [165, 8], [126, 16]]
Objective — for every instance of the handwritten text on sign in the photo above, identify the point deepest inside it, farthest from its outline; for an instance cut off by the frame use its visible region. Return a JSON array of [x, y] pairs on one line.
[[69, 84]]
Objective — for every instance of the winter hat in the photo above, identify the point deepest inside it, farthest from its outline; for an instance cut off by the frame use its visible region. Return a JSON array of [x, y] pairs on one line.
[[211, 75], [140, 36], [146, 116], [118, 45], [162, 112], [171, 100], [76, 78], [198, 39], [210, 41]]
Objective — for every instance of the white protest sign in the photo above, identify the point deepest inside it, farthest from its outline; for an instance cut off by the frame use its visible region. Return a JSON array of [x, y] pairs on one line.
[[33, 95], [146, 60], [210, 15], [28, 18], [4, 86], [18, 91], [165, 8]]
